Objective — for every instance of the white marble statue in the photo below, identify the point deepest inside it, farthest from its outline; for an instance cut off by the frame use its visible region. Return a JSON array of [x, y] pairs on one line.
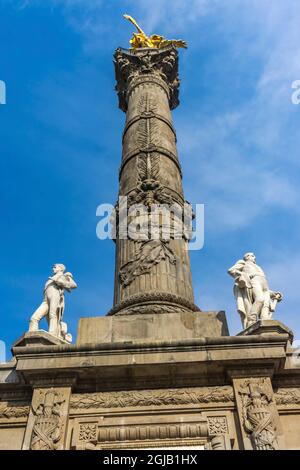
[[53, 304], [255, 301]]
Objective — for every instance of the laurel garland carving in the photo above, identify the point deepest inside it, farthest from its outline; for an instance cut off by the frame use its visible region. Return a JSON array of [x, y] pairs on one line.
[[288, 396], [153, 308], [153, 296], [193, 396], [18, 410]]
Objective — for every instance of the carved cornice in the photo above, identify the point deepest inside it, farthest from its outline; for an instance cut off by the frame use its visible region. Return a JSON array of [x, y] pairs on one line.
[[159, 66], [287, 396], [153, 297], [161, 397]]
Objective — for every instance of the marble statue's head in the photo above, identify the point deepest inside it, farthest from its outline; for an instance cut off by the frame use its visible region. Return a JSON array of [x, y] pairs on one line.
[[250, 257], [58, 267]]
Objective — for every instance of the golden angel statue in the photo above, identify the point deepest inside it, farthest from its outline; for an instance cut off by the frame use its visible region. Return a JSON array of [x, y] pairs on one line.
[[140, 39]]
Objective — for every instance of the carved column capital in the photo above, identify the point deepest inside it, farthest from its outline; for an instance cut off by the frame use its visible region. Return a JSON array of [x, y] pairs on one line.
[[139, 66]]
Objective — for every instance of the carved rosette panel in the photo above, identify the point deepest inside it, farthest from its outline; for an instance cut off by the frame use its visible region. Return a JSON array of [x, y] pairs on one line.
[[217, 425], [258, 412], [47, 422]]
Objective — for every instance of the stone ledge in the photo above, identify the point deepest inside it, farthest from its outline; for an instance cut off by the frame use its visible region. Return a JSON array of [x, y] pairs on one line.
[[263, 327], [37, 339]]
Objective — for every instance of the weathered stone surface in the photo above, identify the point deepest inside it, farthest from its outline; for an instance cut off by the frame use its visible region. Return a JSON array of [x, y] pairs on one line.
[[165, 326], [37, 338], [162, 397], [266, 327], [147, 86], [258, 414]]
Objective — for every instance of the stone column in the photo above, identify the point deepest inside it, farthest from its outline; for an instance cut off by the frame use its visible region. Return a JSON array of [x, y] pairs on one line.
[[151, 275]]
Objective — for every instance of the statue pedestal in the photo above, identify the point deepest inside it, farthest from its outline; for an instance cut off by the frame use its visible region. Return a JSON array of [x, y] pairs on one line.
[[267, 327], [37, 338]]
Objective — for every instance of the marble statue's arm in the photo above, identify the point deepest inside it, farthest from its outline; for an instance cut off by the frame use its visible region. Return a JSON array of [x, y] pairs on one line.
[[72, 283], [237, 269], [66, 281]]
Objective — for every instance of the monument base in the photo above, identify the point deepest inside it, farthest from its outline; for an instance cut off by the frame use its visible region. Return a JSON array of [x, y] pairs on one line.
[[154, 327], [262, 327]]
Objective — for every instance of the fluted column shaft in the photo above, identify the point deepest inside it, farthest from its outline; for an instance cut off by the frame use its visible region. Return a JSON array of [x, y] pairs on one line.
[[152, 271]]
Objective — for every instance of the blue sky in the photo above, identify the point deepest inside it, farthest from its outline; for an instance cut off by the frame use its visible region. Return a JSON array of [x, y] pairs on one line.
[[60, 145]]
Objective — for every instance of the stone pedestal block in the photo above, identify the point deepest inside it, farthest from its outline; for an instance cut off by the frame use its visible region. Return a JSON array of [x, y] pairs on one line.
[[263, 327], [37, 338], [167, 326]]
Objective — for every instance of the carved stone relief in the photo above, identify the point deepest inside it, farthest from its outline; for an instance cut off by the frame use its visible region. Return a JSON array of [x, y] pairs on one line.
[[152, 397], [258, 415], [47, 429], [13, 410], [287, 396], [148, 254], [154, 65], [153, 298], [47, 422], [217, 425]]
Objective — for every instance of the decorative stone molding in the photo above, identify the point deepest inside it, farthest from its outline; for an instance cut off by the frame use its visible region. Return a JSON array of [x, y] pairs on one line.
[[157, 66], [162, 397], [258, 412], [158, 432], [217, 425], [155, 308], [152, 298], [287, 396], [88, 432], [13, 410]]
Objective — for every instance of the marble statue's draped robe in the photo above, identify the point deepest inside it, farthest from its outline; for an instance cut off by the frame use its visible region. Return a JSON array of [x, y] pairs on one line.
[[242, 290]]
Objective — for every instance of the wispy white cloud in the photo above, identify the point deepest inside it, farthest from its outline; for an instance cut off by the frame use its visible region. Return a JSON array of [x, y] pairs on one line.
[[245, 158]]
